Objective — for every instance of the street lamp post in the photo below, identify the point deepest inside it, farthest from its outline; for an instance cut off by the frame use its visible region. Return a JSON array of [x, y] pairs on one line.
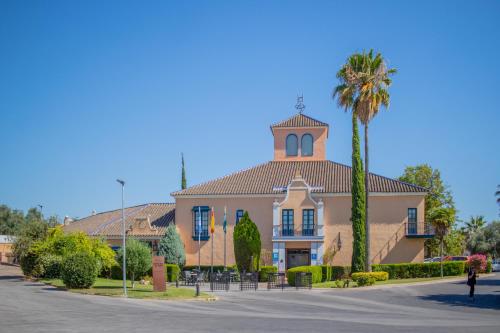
[[124, 250]]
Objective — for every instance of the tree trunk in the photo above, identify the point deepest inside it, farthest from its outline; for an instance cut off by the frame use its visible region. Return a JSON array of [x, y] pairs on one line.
[[441, 255], [368, 261], [133, 280]]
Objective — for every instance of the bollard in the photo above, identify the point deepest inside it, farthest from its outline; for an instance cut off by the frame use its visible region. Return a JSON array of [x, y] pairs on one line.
[[197, 288]]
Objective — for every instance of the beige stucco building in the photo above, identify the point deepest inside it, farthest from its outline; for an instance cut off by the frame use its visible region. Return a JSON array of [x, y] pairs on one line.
[[300, 201]]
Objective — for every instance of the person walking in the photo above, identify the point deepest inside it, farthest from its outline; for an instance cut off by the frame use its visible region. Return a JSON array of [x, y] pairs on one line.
[[471, 282]]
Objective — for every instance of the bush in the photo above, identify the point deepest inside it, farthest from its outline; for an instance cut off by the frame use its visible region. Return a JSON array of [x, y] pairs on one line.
[[364, 279], [172, 248], [316, 271], [29, 264], [340, 272], [172, 272], [326, 273], [489, 266], [51, 266], [377, 276], [421, 270], [264, 272], [339, 284], [247, 245], [79, 270], [478, 262]]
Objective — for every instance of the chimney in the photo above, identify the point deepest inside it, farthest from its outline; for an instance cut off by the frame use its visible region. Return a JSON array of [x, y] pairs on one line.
[[67, 220]]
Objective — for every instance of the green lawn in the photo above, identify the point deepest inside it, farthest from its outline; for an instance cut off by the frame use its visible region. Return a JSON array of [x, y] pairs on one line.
[[108, 287], [331, 284]]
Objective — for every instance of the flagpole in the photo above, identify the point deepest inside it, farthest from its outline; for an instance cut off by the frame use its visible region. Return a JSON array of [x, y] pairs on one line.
[[199, 239], [212, 230], [225, 231]]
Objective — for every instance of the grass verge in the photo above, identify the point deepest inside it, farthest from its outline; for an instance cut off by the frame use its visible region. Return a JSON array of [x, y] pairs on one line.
[[352, 284], [108, 287]]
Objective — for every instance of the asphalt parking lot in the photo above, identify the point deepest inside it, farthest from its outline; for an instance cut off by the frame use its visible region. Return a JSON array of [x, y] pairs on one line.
[[442, 307]]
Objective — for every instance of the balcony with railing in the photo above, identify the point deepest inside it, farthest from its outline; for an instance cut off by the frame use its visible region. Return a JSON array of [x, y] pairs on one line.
[[302, 233], [419, 230]]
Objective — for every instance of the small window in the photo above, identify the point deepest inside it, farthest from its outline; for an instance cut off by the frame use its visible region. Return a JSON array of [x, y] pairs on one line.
[[287, 222], [239, 215], [292, 145], [306, 145], [200, 232]]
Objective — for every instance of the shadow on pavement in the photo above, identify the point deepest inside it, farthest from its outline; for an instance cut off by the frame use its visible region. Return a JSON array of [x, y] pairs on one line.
[[11, 277], [483, 301], [485, 282]]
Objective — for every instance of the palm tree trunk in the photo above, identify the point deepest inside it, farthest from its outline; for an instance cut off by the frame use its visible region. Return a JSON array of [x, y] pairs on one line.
[[368, 261], [441, 255]]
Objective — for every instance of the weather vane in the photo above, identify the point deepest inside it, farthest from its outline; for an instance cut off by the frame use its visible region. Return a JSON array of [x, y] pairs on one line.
[[300, 104]]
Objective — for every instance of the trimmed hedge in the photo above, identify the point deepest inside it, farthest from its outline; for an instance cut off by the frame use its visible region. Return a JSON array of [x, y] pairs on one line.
[[421, 270], [377, 276], [206, 268], [264, 272], [364, 279], [172, 272], [327, 272], [79, 270], [316, 271], [340, 272]]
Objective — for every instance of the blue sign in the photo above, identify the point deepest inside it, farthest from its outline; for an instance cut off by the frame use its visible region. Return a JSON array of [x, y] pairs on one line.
[[275, 256], [313, 256]]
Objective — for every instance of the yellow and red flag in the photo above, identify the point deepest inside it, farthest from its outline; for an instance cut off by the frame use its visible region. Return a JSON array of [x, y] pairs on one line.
[[212, 221]]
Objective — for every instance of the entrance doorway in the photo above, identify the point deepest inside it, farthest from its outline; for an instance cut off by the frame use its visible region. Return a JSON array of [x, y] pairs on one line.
[[298, 257]]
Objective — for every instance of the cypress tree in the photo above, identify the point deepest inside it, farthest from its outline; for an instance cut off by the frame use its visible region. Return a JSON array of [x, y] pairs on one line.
[[247, 245], [183, 180], [358, 203]]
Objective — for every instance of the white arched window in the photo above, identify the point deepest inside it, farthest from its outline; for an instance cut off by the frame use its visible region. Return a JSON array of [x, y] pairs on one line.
[[306, 145], [292, 145]]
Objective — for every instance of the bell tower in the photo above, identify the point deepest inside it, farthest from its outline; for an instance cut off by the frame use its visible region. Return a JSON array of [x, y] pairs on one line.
[[300, 138]]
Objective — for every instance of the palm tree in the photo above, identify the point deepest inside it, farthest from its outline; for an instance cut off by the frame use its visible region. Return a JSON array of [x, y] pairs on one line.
[[474, 224], [442, 220], [497, 194], [365, 79]]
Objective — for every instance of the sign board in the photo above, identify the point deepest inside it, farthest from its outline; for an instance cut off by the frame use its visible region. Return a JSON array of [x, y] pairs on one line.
[[159, 283], [314, 256], [275, 256]]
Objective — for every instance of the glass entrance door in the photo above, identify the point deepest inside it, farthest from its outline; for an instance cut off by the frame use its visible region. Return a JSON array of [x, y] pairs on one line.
[[298, 257]]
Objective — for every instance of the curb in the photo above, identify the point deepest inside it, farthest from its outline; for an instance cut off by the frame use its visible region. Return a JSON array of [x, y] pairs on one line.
[[385, 286]]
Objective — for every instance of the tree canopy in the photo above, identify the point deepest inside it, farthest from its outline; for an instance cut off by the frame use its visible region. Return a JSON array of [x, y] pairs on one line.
[[172, 248], [138, 259]]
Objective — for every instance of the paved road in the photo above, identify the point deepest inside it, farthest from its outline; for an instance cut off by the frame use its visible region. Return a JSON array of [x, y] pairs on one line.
[[32, 307]]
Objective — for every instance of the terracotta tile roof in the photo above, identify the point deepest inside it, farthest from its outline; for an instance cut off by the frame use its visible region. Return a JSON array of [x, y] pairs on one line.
[[148, 220], [300, 120], [325, 176]]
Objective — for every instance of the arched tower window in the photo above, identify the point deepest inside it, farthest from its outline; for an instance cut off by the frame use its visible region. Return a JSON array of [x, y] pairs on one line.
[[306, 145], [292, 145]]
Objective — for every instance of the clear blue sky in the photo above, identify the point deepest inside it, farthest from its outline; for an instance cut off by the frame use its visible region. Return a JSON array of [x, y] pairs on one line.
[[95, 90]]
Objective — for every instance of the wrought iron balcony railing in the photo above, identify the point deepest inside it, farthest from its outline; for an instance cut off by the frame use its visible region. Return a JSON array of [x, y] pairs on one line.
[[279, 231], [419, 230]]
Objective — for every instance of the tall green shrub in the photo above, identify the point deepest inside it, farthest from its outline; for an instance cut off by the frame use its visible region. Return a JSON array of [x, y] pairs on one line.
[[172, 248], [247, 245], [138, 259], [79, 270], [358, 203]]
